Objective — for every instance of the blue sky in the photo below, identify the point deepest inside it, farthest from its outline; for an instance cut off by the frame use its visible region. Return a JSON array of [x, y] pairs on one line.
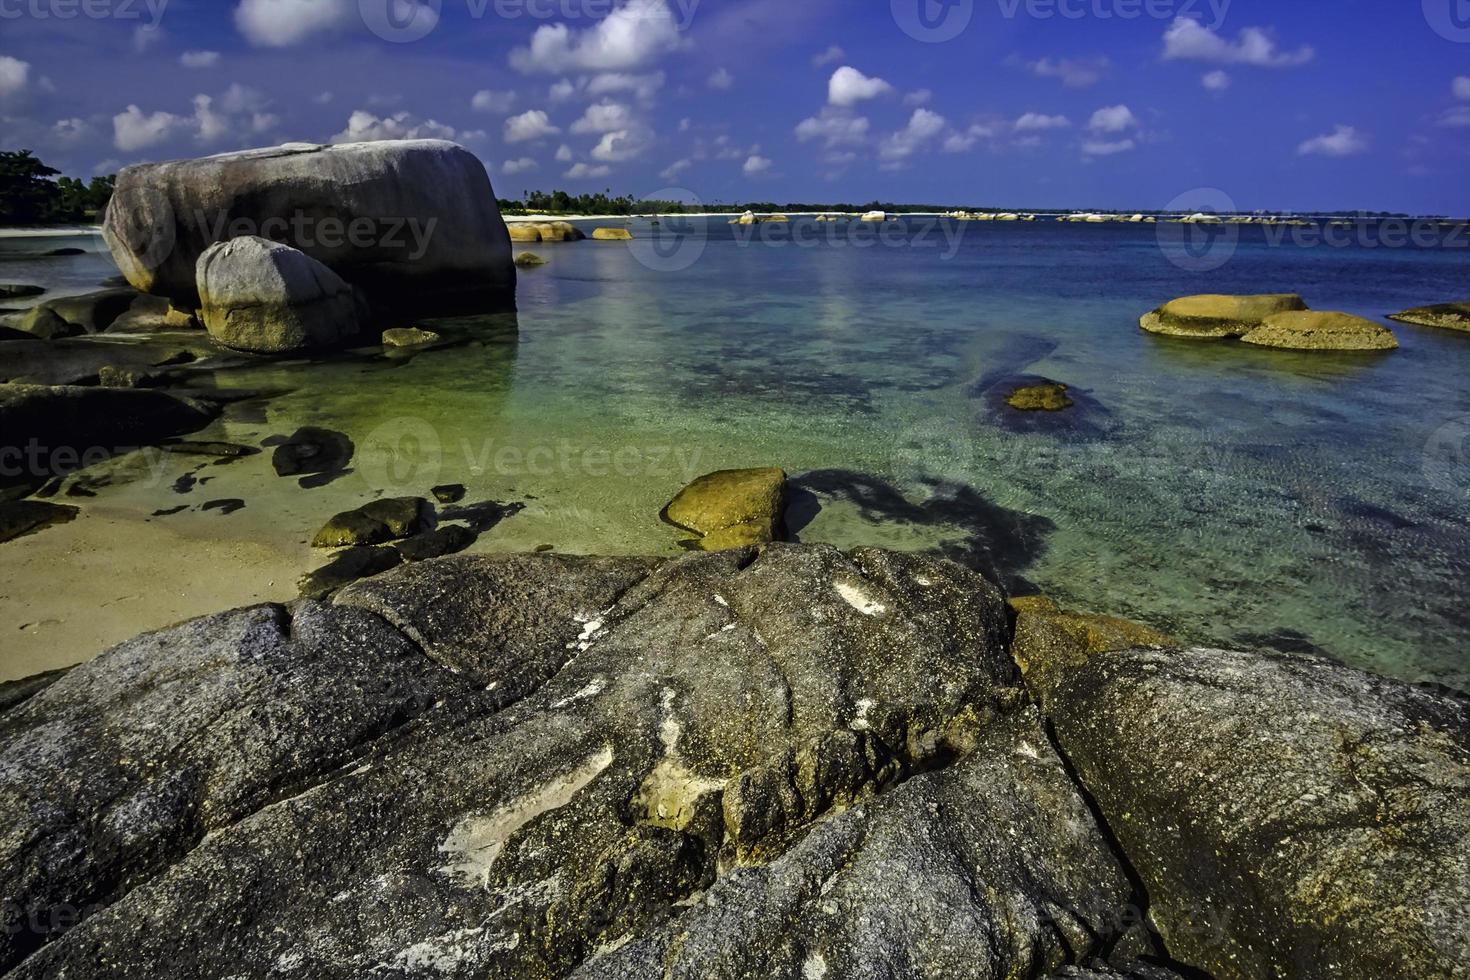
[[1313, 104]]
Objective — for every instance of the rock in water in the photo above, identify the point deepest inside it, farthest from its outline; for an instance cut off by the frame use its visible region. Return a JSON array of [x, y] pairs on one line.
[[612, 235], [374, 523], [263, 297], [731, 508], [1450, 316], [529, 260], [522, 232], [1308, 330], [1211, 317], [1048, 397], [11, 290], [317, 455], [409, 337], [412, 223], [560, 231], [1288, 816]]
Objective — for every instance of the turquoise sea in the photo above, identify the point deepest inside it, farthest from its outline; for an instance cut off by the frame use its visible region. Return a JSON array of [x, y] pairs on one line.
[[1232, 496]]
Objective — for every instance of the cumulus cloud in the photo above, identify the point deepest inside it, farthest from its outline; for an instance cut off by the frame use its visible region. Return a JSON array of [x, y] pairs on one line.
[[1106, 148], [923, 126], [832, 55], [1113, 119], [623, 145], [282, 23], [1036, 122], [1343, 141], [364, 127], [239, 114], [604, 117], [673, 170], [919, 97], [632, 35], [133, 129], [71, 130], [1461, 87], [587, 171], [1071, 72], [642, 87], [512, 167], [199, 59], [489, 100], [532, 124], [963, 141], [848, 86], [564, 154], [1189, 40], [721, 80], [756, 165], [14, 74], [1216, 81], [835, 127]]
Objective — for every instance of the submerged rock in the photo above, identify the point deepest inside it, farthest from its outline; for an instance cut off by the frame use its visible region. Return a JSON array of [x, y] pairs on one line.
[[1450, 316], [1309, 330], [413, 224], [262, 297], [409, 337], [612, 235], [1050, 396], [731, 508], [529, 260], [1212, 317], [11, 290]]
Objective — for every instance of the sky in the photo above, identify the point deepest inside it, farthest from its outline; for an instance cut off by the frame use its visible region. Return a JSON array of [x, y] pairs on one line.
[[1118, 104]]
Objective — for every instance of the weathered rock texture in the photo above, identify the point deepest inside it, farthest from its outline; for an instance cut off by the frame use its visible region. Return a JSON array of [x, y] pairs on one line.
[[263, 297], [732, 508], [786, 763], [1450, 316], [411, 223], [1313, 330], [1212, 317]]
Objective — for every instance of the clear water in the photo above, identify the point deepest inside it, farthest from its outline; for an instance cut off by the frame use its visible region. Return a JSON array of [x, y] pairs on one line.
[[1230, 495]]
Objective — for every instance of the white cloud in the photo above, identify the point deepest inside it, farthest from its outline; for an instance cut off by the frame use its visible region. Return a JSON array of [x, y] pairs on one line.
[[643, 87], [830, 56], [1106, 148], [920, 97], [564, 154], [364, 127], [199, 59], [673, 170], [721, 80], [961, 142], [1456, 117], [1072, 72], [848, 87], [532, 124], [14, 74], [1216, 81], [1035, 122], [1343, 141], [629, 37], [133, 129], [71, 130], [1188, 40], [282, 23], [562, 91], [489, 100], [834, 126], [756, 165], [212, 126], [922, 127], [512, 167], [623, 145], [604, 117], [1461, 87], [325, 98], [1113, 119], [586, 171]]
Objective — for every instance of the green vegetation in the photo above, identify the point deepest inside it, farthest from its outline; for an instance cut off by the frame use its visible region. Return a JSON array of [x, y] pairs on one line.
[[561, 202], [30, 194]]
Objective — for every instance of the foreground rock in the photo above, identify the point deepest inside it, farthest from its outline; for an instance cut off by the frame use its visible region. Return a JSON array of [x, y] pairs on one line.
[[731, 508], [794, 763], [262, 297], [1211, 317], [1309, 330], [412, 223], [1449, 316], [374, 523]]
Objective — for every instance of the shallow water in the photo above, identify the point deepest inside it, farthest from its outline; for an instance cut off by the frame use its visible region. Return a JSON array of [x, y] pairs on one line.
[[1233, 496]]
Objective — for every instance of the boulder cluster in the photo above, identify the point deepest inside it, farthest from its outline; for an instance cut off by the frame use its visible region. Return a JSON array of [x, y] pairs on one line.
[[1279, 320]]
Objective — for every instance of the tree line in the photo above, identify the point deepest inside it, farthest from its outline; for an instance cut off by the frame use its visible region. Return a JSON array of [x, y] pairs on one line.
[[31, 193], [562, 202]]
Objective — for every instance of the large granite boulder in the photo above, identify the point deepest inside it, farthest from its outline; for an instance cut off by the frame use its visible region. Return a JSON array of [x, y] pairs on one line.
[[1450, 316], [1313, 330], [1288, 816], [1212, 317], [263, 297], [412, 223]]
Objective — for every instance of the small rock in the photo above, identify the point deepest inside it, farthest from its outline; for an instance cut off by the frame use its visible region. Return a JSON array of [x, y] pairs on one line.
[[1051, 397], [731, 508], [1307, 330], [449, 493], [45, 323], [374, 523], [529, 260], [12, 290], [112, 376], [348, 567], [409, 337], [436, 544], [612, 235], [1449, 316], [221, 450], [318, 455], [262, 297]]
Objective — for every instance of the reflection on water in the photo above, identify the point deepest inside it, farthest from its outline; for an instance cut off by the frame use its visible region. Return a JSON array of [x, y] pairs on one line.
[[1227, 494]]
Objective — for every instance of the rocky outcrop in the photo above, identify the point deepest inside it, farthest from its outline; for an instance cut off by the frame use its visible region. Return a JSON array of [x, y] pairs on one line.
[[1211, 317], [529, 260], [612, 235], [1449, 316], [787, 762], [262, 297], [731, 508], [1311, 330], [413, 224], [1049, 396], [44, 324]]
